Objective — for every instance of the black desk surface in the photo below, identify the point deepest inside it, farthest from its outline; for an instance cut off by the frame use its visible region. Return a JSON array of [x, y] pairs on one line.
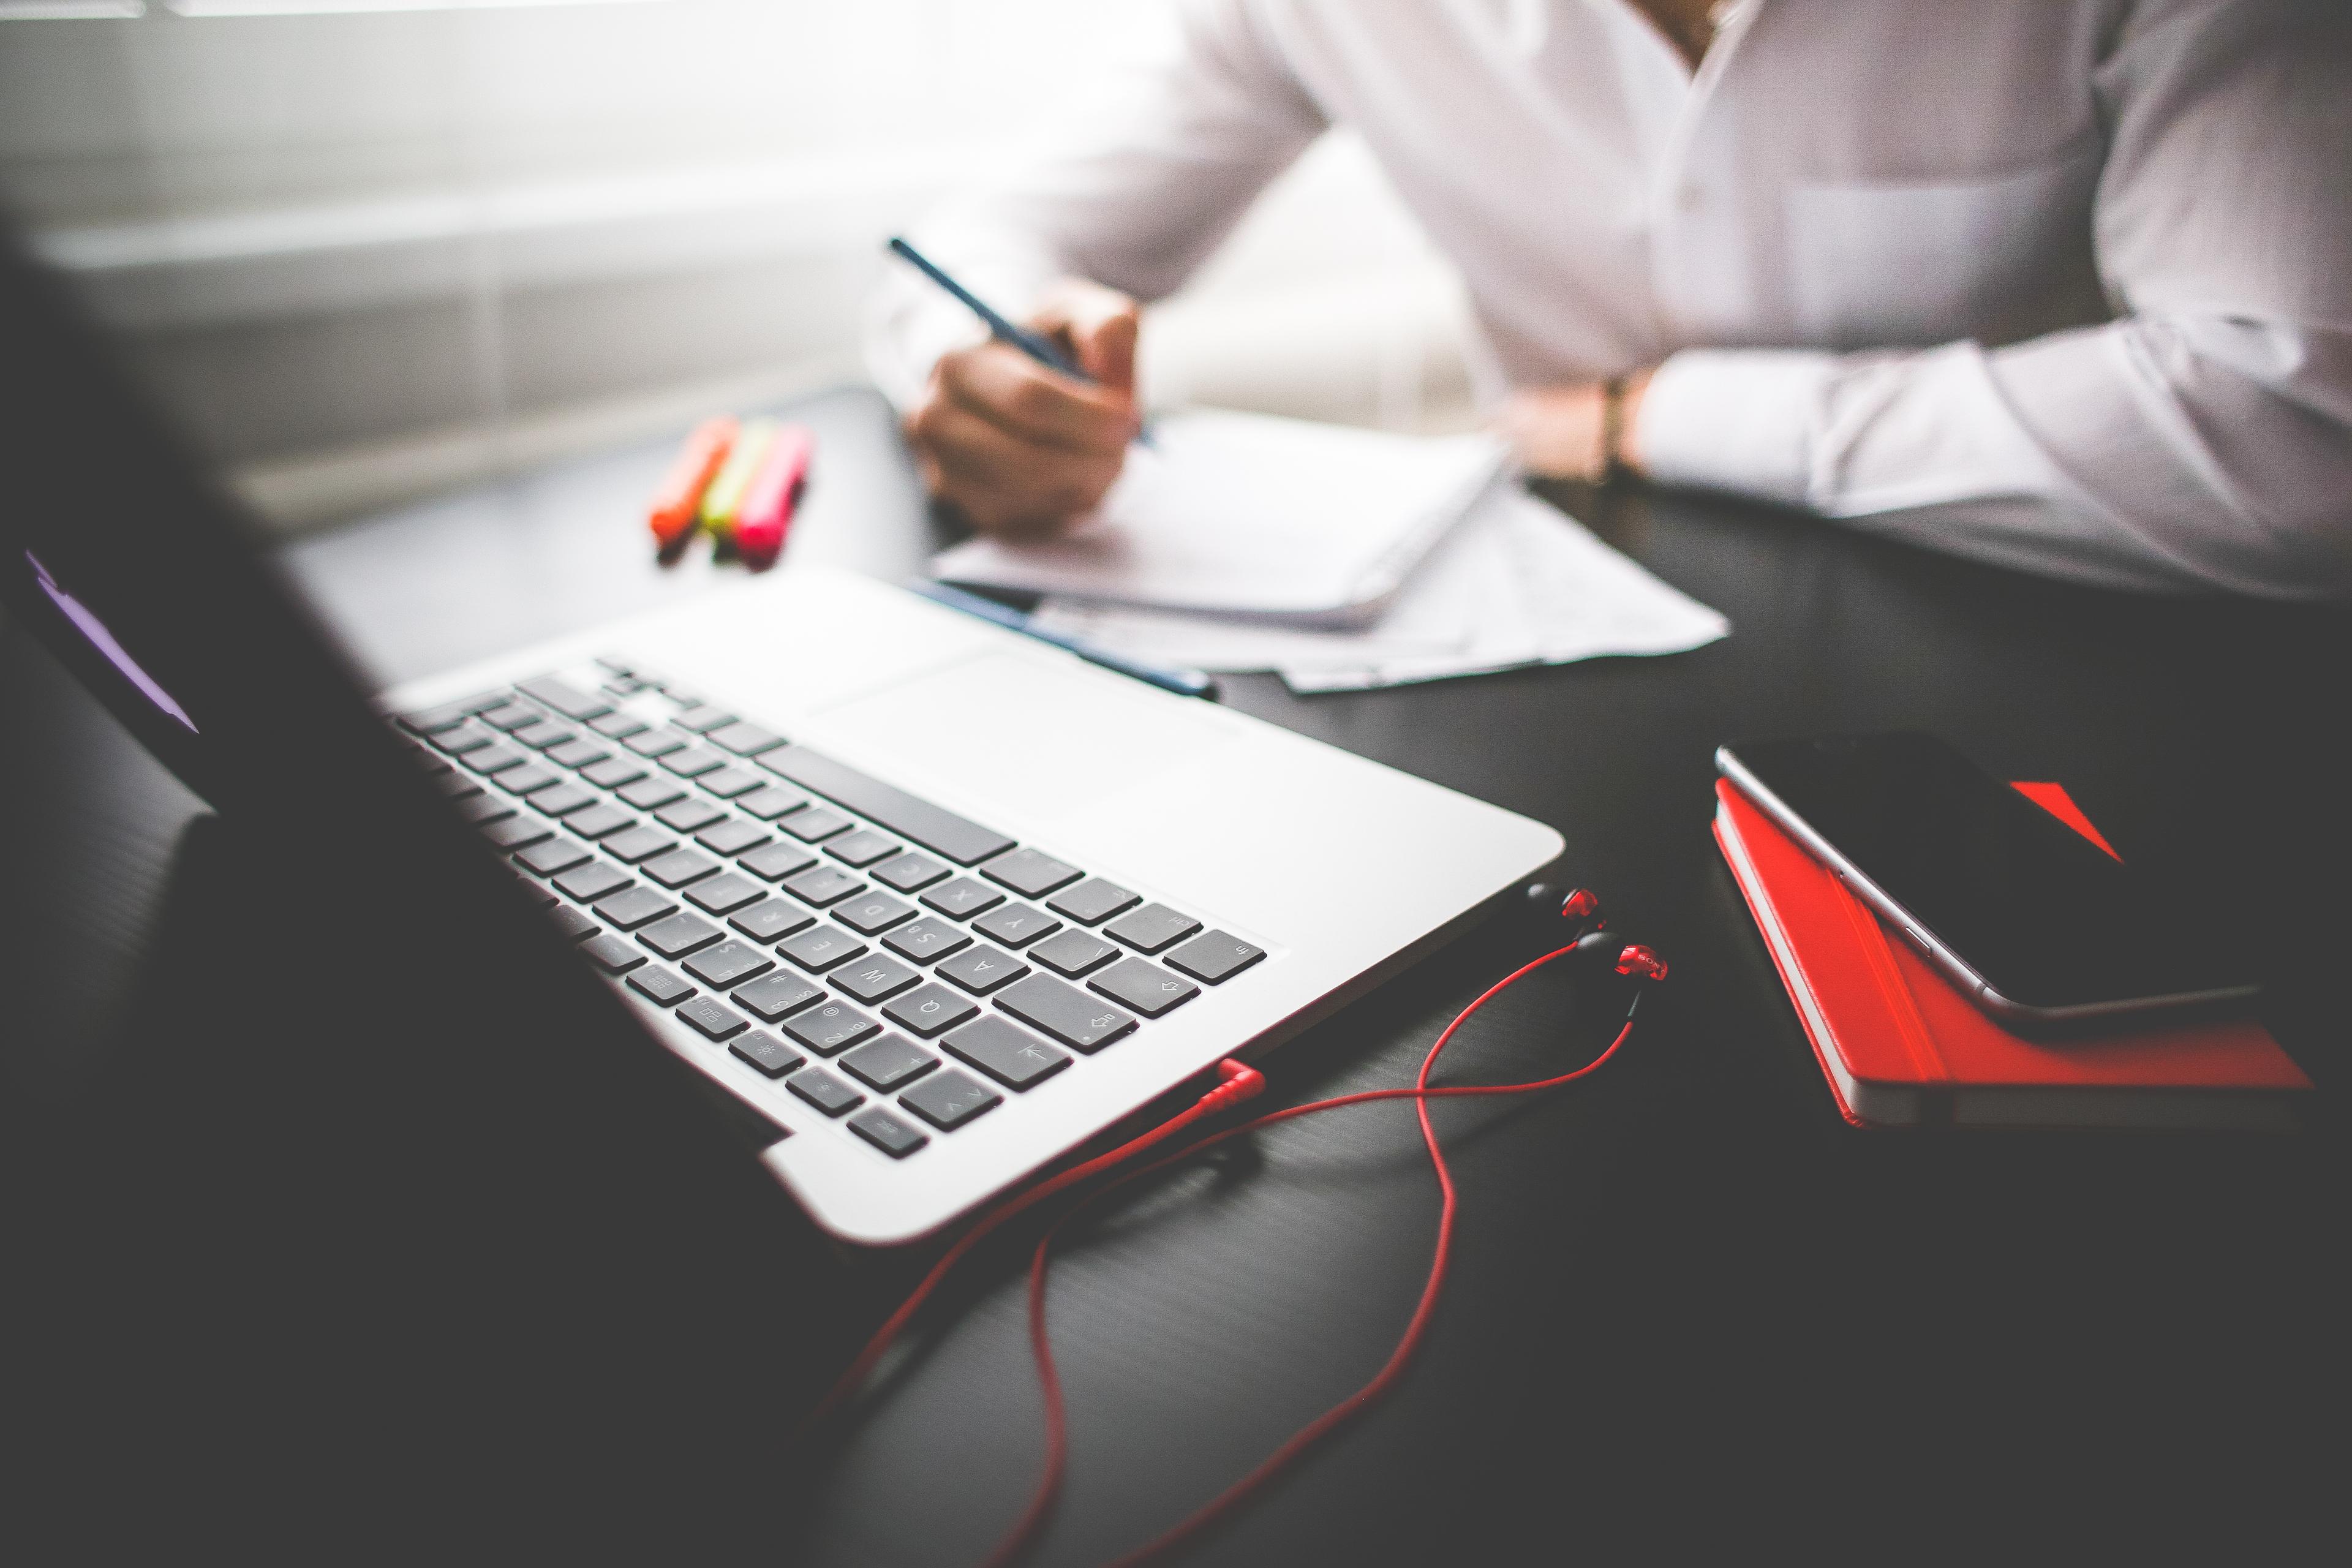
[[1689, 1272]]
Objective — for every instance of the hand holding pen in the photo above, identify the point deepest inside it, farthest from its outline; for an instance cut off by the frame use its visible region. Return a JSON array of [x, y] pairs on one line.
[[1029, 429]]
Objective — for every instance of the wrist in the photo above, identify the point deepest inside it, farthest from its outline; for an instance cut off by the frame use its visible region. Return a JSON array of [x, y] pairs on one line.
[[1621, 407]]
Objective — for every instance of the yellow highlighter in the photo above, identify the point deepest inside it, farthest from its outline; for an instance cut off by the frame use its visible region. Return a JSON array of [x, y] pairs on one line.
[[724, 499]]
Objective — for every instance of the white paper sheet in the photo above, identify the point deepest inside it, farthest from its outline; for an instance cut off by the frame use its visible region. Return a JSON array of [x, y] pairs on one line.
[[1243, 513], [1517, 583]]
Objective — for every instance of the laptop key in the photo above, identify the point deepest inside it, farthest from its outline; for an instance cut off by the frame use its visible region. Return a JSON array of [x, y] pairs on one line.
[[575, 926], [862, 848], [558, 854], [893, 1135], [577, 753], [724, 893], [1152, 927], [962, 897], [732, 837], [729, 783], [777, 860], [637, 907], [618, 726], [613, 772], [523, 780], [766, 1052], [770, 919], [949, 1100], [822, 885], [448, 715], [887, 1063], [983, 969], [543, 733], [678, 868], [678, 935], [1092, 901], [928, 1010], [819, 948], [588, 883], [770, 802], [1012, 1056], [599, 821], [1214, 957], [1065, 1012], [872, 980], [744, 740], [1016, 925], [638, 844], [690, 815], [778, 995], [694, 763], [732, 962], [658, 986], [655, 742], [829, 1026], [925, 940], [562, 798], [517, 832], [869, 914], [482, 809], [816, 822], [563, 696], [702, 718], [941, 831], [1029, 873], [712, 1018], [613, 954], [908, 873], [646, 794], [494, 760], [508, 716], [825, 1091], [465, 738], [1144, 986]]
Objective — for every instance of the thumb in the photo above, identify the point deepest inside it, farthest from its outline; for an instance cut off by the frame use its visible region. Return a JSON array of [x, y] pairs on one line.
[[1099, 327]]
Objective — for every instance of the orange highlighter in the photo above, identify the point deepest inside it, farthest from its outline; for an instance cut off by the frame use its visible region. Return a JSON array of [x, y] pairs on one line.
[[767, 508], [679, 500]]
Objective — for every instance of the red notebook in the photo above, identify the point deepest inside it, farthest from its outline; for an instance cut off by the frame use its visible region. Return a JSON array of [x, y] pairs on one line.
[[1902, 1046]]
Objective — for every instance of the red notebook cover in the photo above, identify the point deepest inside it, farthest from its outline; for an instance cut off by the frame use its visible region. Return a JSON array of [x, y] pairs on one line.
[[1902, 1046]]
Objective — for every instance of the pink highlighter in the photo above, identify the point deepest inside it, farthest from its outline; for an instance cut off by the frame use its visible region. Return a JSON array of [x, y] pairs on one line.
[[768, 505]]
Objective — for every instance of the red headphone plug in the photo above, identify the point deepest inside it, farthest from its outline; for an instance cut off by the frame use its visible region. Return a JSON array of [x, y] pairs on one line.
[[1639, 960], [1240, 1082]]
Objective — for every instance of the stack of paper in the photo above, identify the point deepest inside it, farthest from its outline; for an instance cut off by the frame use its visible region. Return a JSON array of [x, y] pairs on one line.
[[1340, 559]]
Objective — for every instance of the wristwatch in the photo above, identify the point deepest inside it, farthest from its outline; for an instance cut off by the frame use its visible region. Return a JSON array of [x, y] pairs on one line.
[[1612, 465]]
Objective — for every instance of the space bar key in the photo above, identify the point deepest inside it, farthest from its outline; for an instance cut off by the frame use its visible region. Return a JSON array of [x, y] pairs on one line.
[[936, 829]]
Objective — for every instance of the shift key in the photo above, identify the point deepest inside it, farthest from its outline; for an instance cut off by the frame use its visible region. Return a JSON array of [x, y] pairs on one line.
[[1065, 1012]]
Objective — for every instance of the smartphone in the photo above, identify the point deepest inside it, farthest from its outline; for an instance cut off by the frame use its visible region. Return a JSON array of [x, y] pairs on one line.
[[2021, 911]]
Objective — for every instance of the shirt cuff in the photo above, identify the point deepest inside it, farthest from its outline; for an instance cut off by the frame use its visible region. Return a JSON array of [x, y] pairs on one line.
[[1735, 419]]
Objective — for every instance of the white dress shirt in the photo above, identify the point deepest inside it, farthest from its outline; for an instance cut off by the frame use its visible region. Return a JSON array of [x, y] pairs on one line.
[[2085, 264]]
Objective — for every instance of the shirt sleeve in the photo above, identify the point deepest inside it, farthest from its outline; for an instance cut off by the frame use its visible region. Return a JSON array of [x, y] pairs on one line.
[[2202, 439], [1153, 172]]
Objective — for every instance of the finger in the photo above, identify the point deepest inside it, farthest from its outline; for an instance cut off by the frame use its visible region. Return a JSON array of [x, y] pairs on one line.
[[1100, 327], [990, 470], [1008, 388]]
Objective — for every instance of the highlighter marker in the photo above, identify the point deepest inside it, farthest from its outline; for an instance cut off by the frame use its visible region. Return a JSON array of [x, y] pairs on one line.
[[767, 508], [724, 498], [679, 498]]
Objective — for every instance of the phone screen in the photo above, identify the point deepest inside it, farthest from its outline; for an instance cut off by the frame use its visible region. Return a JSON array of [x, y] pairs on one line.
[[2046, 917]]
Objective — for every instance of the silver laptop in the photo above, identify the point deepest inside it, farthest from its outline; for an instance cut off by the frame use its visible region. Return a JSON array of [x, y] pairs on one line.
[[937, 901]]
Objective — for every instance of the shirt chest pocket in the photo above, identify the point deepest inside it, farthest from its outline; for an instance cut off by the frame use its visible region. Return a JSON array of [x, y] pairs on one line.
[[1918, 262]]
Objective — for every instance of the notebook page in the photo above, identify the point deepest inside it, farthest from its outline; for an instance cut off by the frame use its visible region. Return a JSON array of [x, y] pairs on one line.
[[1248, 514]]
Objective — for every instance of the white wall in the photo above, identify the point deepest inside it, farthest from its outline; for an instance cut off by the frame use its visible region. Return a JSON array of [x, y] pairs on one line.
[[366, 256]]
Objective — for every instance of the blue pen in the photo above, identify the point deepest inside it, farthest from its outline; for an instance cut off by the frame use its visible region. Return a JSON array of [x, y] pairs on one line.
[[1036, 345], [1182, 682]]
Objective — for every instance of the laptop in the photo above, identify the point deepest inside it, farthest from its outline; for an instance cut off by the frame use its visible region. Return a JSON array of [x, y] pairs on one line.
[[932, 902]]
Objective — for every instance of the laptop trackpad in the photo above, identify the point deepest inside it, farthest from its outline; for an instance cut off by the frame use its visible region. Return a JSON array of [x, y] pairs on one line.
[[1028, 733]]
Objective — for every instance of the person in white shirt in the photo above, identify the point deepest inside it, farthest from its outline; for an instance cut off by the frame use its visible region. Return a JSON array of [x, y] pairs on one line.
[[2085, 264]]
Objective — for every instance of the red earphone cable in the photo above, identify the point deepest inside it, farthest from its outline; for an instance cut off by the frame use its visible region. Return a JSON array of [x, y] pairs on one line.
[[1017, 1539]]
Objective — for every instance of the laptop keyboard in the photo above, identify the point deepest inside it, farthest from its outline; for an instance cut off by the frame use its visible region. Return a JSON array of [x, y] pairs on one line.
[[900, 967]]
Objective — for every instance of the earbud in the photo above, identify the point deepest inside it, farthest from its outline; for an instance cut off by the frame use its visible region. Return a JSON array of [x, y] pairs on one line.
[[1642, 963], [1549, 900]]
